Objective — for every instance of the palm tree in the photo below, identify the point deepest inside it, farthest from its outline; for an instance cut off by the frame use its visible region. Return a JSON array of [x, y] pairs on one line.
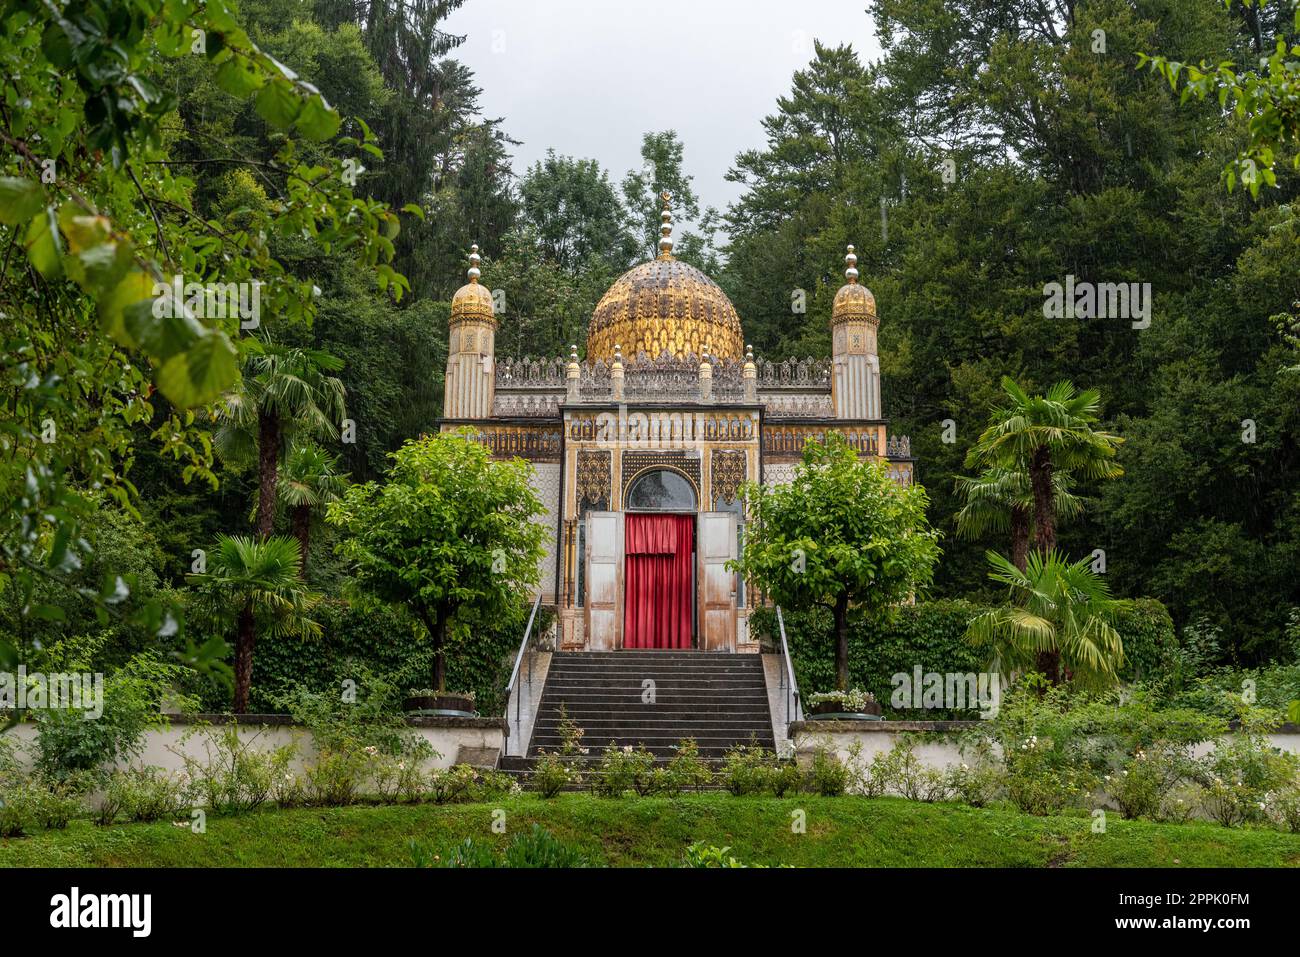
[[1045, 433], [1000, 500], [285, 393], [1060, 614], [309, 480], [253, 586]]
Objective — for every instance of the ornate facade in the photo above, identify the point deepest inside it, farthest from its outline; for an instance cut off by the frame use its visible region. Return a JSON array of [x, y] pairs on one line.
[[667, 413]]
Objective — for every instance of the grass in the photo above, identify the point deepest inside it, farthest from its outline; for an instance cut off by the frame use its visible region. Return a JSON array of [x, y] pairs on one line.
[[841, 832]]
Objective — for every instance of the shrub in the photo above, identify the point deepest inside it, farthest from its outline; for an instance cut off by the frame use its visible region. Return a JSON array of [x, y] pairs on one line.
[[234, 776], [462, 784], [687, 770], [551, 775], [747, 769], [1142, 786], [912, 779], [624, 769], [144, 794], [1243, 771], [401, 776], [68, 744], [829, 776], [31, 805]]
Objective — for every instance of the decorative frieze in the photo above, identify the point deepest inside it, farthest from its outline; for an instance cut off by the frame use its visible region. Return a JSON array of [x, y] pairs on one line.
[[537, 443]]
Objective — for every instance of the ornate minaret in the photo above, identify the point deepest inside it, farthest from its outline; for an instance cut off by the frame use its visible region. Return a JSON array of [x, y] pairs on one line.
[[855, 378], [470, 376]]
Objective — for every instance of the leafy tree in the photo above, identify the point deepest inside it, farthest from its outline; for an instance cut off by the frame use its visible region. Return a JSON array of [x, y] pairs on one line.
[[1040, 434], [451, 535], [575, 213], [94, 222], [841, 534], [285, 392], [1264, 99], [663, 170], [1060, 615], [254, 586]]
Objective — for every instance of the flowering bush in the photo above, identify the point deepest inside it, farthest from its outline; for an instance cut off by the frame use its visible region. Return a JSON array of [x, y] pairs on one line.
[[850, 701], [552, 774], [624, 769]]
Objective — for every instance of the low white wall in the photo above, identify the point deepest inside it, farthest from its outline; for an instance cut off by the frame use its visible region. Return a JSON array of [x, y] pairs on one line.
[[936, 745], [165, 748]]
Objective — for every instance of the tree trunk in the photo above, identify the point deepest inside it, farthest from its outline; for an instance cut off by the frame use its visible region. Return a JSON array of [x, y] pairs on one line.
[[436, 624], [1019, 535], [1040, 481], [268, 460], [244, 658], [841, 614], [302, 532]]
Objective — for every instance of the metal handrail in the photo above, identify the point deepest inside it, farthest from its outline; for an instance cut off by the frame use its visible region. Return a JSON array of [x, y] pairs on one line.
[[793, 692], [514, 672]]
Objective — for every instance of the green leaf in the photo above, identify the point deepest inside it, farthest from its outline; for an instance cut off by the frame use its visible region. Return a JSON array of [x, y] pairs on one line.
[[317, 121], [20, 200], [236, 78], [199, 374], [134, 288], [278, 104], [44, 244]]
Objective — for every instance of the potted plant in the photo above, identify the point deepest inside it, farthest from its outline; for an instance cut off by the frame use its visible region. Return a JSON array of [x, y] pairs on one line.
[[432, 701], [855, 705]]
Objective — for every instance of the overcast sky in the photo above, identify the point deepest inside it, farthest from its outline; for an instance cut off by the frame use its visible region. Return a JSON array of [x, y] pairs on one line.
[[588, 77]]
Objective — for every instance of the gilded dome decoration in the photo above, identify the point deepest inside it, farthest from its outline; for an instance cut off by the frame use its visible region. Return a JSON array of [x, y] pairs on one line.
[[853, 301], [472, 300], [665, 305]]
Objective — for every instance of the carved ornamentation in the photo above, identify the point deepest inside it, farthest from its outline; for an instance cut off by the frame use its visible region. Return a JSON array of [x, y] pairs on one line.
[[636, 462], [594, 473], [729, 470]]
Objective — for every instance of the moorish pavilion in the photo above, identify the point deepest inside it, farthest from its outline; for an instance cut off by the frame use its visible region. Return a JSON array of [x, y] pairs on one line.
[[639, 448]]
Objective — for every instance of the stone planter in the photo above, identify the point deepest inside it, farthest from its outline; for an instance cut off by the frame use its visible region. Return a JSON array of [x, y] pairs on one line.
[[446, 703]]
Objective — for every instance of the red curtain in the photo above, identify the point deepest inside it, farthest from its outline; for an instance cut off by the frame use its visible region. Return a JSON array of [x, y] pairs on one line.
[[657, 609]]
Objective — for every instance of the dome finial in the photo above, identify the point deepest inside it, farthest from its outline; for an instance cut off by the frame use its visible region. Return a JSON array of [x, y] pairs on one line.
[[473, 263], [666, 227], [851, 262]]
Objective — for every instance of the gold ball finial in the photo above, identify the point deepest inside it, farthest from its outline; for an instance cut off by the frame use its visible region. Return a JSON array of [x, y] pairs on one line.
[[573, 353], [473, 263], [851, 262], [665, 227]]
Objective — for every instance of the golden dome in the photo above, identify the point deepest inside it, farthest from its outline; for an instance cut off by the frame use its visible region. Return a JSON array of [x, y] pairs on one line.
[[472, 300], [854, 302], [665, 304]]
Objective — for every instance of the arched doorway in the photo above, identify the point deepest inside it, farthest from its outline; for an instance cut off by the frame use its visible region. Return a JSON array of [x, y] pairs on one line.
[[659, 569]]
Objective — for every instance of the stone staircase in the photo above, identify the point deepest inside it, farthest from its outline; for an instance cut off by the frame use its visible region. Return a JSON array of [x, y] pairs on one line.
[[652, 699]]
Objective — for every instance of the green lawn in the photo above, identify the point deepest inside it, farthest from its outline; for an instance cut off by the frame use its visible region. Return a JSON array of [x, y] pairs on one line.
[[844, 832]]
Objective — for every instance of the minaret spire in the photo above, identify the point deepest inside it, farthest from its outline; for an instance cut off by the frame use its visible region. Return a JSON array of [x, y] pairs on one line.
[[851, 266], [666, 227], [473, 263]]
